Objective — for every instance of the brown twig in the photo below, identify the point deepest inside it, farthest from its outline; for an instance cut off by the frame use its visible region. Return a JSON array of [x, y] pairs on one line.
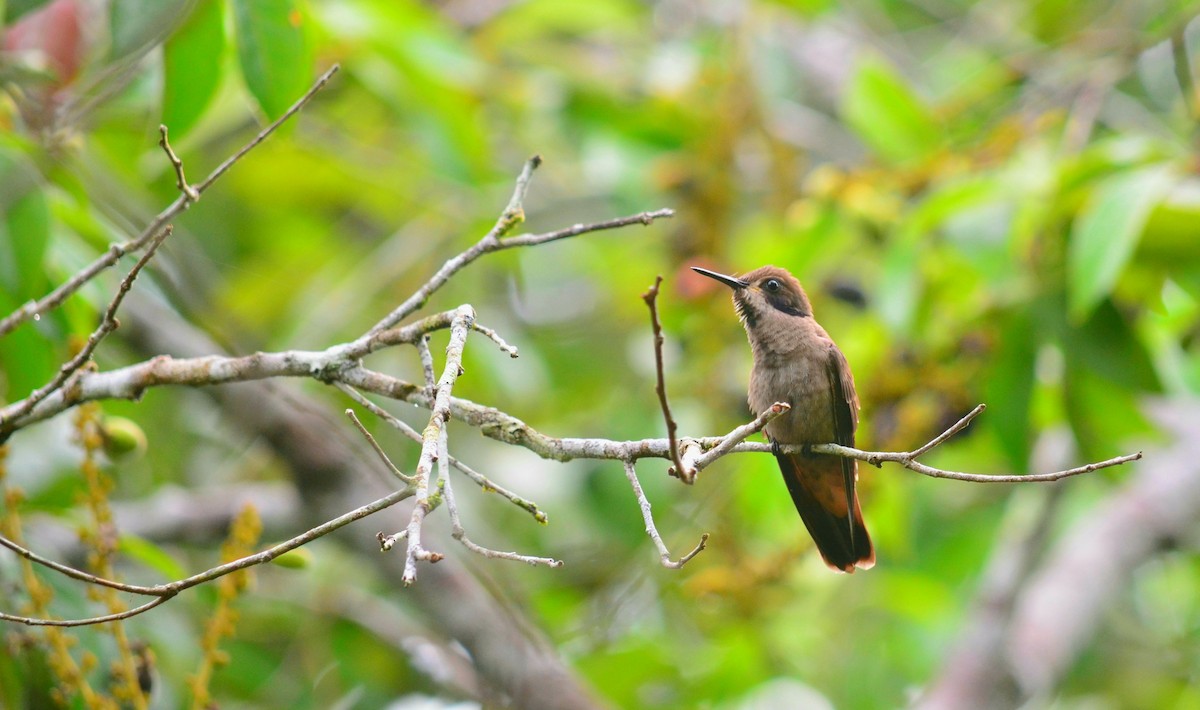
[[191, 193], [664, 555], [660, 386]]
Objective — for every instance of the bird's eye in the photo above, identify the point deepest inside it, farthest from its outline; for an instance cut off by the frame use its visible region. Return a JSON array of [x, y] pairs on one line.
[[771, 285]]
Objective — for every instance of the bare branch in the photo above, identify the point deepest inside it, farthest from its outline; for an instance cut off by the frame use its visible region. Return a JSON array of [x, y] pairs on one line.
[[492, 241], [492, 335], [108, 323], [73, 573], [456, 527], [375, 445], [660, 387], [191, 193], [55, 298], [169, 590], [427, 364], [695, 459], [514, 212], [486, 484], [266, 132], [429, 445], [89, 621], [663, 553], [957, 427]]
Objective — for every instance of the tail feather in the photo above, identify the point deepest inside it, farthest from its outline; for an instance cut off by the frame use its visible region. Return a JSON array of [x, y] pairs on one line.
[[817, 488]]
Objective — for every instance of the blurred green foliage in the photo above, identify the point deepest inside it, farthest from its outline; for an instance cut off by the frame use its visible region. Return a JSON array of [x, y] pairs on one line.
[[986, 201]]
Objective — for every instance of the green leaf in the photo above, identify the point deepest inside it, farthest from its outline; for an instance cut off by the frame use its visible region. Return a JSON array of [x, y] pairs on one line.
[[272, 52], [1010, 387], [901, 283], [14, 9], [24, 226], [27, 359], [152, 556], [887, 115], [192, 66], [1109, 347], [1103, 418], [1106, 232], [137, 25]]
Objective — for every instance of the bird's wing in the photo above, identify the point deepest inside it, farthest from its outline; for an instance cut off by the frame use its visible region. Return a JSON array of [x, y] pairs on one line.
[[844, 402], [843, 398]]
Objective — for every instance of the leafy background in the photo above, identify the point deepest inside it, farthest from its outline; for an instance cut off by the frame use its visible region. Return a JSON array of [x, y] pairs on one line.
[[990, 201]]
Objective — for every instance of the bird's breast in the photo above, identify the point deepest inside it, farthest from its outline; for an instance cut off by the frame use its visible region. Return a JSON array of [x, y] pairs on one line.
[[801, 381]]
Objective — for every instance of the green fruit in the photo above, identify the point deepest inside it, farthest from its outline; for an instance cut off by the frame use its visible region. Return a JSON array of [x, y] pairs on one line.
[[124, 440], [298, 558]]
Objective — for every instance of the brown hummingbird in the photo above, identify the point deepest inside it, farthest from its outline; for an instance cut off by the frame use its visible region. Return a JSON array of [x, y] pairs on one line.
[[796, 362]]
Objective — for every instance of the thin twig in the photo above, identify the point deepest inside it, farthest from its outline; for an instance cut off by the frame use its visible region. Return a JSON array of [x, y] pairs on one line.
[[180, 180], [108, 323], [74, 573], [513, 214], [905, 459], [378, 450], [532, 240], [169, 590], [458, 532], [34, 309], [266, 132], [91, 620], [484, 483], [954, 429], [490, 334], [663, 553], [651, 299], [426, 358]]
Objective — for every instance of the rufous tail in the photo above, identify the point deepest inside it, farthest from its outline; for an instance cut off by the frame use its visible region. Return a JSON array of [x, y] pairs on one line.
[[819, 490]]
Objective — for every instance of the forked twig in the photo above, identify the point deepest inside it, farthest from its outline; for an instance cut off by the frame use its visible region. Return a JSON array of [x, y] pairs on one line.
[[660, 386], [664, 555]]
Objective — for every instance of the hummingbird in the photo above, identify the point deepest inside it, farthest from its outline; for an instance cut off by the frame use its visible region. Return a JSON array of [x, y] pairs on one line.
[[796, 362]]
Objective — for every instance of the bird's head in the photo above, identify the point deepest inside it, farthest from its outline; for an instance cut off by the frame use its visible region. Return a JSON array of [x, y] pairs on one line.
[[765, 293]]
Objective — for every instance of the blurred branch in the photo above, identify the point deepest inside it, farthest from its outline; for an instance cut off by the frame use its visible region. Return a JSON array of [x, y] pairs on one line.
[[164, 592], [34, 309], [1048, 615], [331, 470], [341, 365], [108, 323], [191, 193]]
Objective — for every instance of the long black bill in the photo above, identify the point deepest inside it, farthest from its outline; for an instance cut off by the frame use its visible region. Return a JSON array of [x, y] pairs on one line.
[[729, 281]]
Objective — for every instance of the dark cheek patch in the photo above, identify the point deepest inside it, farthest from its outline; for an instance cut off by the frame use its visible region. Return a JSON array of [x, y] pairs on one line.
[[746, 312], [790, 306]]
